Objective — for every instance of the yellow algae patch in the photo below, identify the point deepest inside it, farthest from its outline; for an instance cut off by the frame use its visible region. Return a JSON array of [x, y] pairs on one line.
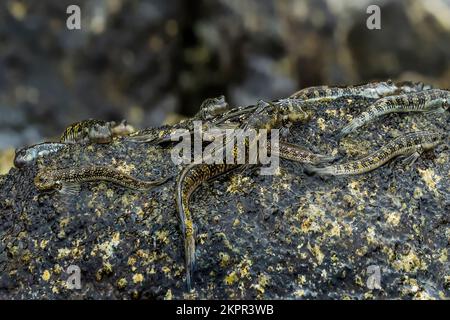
[[442, 159], [361, 251], [430, 178], [317, 253], [116, 238], [62, 253], [423, 295], [314, 215], [371, 237], [301, 280], [46, 275], [131, 261], [335, 230], [121, 283], [443, 258], [139, 212], [124, 167], [142, 254], [355, 148], [355, 190], [168, 295], [299, 293], [393, 218], [238, 183], [138, 278], [409, 262], [17, 9], [242, 270], [321, 123], [64, 222], [57, 269], [263, 281], [231, 278], [107, 268], [244, 267], [417, 193], [107, 247], [166, 270], [447, 280], [162, 236], [43, 244], [110, 193], [224, 259]]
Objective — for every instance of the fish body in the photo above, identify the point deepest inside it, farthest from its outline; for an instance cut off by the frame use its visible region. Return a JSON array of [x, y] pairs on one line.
[[212, 107], [373, 90], [296, 153], [189, 180], [27, 155], [406, 145], [271, 115], [369, 90], [56, 179], [434, 100]]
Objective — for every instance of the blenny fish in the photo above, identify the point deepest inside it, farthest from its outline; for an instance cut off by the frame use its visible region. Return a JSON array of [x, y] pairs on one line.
[[296, 153], [212, 107], [213, 111], [194, 175], [95, 131], [428, 101], [87, 131], [27, 155], [190, 178], [410, 146], [67, 180], [373, 90]]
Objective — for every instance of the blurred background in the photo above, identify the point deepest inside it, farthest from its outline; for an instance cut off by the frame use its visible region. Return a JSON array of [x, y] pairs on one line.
[[155, 61]]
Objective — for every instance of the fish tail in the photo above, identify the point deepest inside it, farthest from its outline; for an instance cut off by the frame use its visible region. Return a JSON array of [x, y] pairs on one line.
[[324, 158], [189, 251], [352, 126]]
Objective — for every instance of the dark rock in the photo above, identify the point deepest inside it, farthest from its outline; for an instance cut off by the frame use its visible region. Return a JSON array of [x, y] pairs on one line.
[[290, 235]]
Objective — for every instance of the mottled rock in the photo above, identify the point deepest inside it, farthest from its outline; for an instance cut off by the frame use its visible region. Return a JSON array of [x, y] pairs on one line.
[[291, 235]]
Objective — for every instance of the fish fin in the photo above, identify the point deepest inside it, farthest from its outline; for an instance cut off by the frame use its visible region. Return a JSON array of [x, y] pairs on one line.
[[409, 160], [352, 126], [435, 110], [321, 158], [65, 195], [405, 160], [70, 189], [146, 138]]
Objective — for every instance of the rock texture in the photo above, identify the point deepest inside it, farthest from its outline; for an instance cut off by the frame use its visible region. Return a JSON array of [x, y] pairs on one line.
[[291, 235]]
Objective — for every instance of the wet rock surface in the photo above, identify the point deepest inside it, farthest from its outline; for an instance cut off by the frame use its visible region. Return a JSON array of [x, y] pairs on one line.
[[291, 235]]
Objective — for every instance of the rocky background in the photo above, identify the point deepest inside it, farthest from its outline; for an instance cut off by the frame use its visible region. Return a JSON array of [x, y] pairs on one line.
[[151, 61]]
